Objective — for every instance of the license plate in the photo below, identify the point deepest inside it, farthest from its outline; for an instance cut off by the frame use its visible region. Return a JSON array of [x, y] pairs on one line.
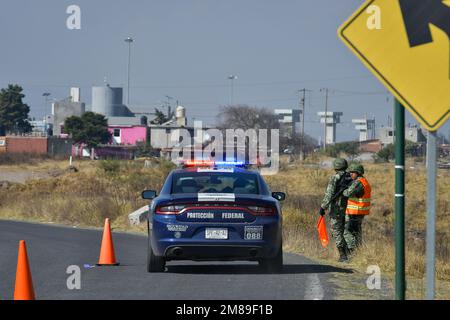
[[221, 234], [253, 233]]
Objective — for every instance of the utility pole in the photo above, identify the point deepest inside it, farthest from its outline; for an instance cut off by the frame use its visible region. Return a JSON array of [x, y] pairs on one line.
[[232, 78], [46, 95], [129, 40], [168, 106], [374, 129], [326, 118], [302, 102]]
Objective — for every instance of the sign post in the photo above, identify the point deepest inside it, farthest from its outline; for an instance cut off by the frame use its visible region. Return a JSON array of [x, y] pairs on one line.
[[431, 213], [400, 287]]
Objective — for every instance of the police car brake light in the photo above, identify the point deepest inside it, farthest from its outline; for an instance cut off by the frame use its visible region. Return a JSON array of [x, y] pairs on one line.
[[169, 209], [263, 211]]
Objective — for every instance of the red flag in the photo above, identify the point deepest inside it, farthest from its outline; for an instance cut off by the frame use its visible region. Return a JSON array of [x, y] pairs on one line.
[[322, 229]]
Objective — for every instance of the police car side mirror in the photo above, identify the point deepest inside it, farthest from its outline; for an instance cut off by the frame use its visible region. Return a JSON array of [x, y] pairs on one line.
[[149, 194], [280, 196]]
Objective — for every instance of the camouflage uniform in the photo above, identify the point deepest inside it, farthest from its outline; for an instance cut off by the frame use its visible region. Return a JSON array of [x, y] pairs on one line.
[[353, 223], [336, 209]]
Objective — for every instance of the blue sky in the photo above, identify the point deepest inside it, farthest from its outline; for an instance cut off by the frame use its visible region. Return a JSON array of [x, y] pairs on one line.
[[187, 48]]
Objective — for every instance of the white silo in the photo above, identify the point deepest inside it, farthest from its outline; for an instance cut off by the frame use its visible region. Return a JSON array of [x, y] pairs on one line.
[[180, 115], [107, 100]]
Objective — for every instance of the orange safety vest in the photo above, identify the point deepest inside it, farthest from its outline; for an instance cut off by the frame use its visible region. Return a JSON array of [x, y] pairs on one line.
[[360, 206]]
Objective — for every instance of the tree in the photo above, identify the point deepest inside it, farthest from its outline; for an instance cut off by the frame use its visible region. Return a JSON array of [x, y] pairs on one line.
[[160, 117], [91, 129], [350, 148], [387, 153], [246, 117], [413, 149], [13, 112], [294, 144]]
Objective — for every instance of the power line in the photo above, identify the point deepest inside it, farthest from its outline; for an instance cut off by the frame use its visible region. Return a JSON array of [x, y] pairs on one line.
[[223, 85]]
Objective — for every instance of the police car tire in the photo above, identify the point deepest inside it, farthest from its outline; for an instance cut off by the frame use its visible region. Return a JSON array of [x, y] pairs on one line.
[[273, 265], [154, 263]]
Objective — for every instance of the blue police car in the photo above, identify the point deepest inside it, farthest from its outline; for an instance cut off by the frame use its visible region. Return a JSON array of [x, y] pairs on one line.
[[215, 211]]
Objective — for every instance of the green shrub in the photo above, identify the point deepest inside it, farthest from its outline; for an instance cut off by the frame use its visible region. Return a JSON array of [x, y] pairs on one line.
[[387, 153], [109, 166]]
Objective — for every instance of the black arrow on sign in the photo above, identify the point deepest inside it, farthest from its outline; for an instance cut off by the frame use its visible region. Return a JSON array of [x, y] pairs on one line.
[[419, 14]]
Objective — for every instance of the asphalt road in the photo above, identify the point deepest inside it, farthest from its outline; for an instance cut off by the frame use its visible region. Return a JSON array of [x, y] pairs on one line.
[[51, 249]]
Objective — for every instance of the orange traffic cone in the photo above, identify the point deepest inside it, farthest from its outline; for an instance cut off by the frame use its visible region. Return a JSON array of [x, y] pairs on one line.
[[24, 284], [107, 255]]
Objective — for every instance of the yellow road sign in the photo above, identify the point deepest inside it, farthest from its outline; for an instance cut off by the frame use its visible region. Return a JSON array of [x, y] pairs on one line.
[[405, 43]]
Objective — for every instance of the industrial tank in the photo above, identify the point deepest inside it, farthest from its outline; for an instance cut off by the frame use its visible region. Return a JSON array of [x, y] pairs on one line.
[[107, 101], [180, 112]]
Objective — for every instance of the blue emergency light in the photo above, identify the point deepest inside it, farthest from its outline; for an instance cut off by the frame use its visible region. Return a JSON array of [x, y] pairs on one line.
[[209, 163]]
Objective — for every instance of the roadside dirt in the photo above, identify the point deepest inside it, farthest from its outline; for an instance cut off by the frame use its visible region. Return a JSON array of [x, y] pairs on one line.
[[21, 176]]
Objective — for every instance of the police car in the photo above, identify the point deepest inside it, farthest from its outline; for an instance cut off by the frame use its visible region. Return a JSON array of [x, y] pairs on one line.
[[210, 211]]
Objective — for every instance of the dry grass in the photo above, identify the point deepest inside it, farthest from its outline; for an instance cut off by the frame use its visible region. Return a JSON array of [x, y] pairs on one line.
[[83, 198], [99, 190]]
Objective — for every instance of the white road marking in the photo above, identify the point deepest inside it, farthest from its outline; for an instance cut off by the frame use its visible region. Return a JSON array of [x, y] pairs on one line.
[[314, 290]]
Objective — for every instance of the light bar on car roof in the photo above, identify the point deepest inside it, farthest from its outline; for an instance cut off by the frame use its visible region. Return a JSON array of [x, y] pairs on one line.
[[209, 163]]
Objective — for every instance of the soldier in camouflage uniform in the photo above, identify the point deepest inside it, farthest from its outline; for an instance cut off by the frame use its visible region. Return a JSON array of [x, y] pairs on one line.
[[336, 204], [359, 197]]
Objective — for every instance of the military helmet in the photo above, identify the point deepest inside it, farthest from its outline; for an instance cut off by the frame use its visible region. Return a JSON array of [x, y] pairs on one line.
[[340, 164], [356, 167]]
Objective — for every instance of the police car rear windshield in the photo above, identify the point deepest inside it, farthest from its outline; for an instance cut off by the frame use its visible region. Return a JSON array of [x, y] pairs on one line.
[[215, 182]]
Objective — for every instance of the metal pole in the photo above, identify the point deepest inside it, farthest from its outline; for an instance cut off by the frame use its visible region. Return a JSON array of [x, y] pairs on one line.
[[232, 78], [303, 115], [399, 201], [303, 103], [326, 118], [232, 91], [129, 40], [129, 64], [431, 213]]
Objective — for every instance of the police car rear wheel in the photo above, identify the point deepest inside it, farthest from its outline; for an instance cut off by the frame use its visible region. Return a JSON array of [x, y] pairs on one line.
[[154, 263], [272, 265]]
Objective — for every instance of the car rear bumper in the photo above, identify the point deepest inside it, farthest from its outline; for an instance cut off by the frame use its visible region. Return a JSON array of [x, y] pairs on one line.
[[192, 244], [216, 252]]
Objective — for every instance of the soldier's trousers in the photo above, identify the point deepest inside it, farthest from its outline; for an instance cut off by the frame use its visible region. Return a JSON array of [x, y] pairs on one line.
[[337, 224], [353, 230]]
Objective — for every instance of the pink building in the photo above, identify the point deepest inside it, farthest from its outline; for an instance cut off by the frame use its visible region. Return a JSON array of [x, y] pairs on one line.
[[128, 134]]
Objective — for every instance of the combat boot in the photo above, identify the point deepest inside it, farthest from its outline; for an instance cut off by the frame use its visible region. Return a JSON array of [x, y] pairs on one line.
[[342, 255]]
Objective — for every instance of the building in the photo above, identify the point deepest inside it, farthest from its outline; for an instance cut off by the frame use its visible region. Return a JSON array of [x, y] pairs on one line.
[[107, 101], [330, 119], [128, 135], [289, 120], [127, 128], [66, 108], [366, 128], [371, 146], [36, 145], [42, 127], [413, 133]]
